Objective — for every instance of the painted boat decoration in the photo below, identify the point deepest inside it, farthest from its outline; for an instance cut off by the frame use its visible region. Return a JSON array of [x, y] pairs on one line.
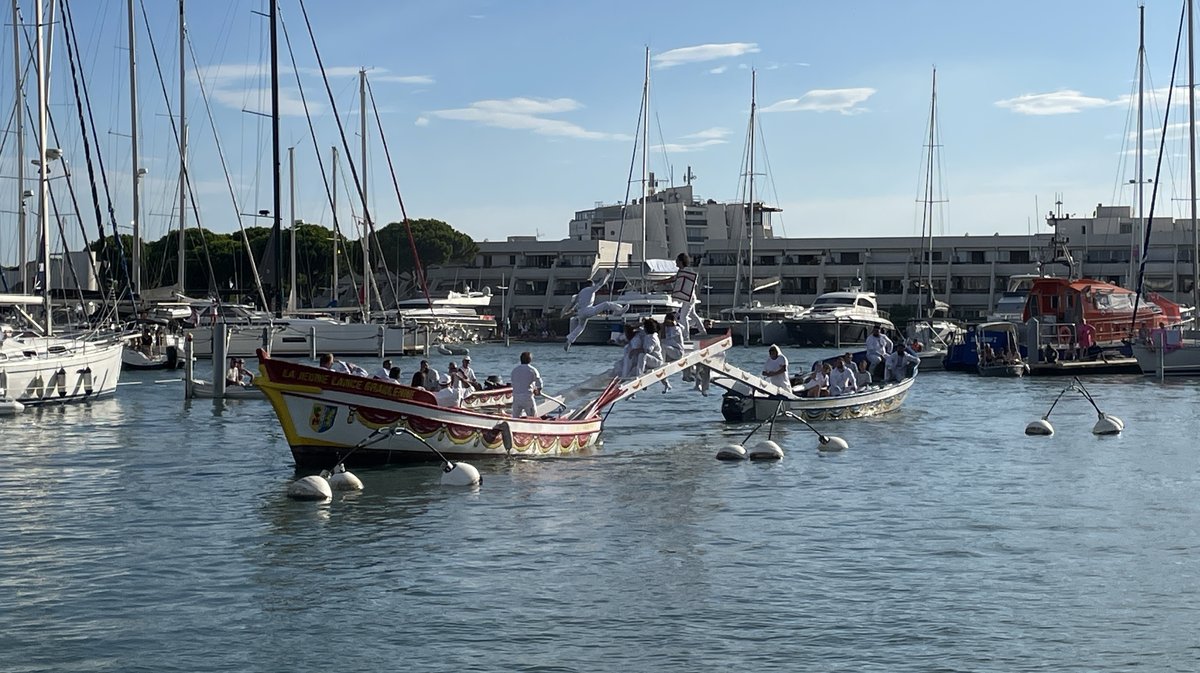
[[329, 417]]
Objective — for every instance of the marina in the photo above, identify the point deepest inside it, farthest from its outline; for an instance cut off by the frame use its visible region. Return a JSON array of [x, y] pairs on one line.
[[329, 342]]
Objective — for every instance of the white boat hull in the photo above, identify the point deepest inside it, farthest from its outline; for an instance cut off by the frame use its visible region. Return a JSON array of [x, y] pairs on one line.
[[1179, 360], [288, 339], [737, 407], [52, 370]]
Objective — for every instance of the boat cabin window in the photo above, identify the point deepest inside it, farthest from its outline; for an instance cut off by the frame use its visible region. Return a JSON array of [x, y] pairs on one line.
[[834, 301], [1110, 301], [864, 302]]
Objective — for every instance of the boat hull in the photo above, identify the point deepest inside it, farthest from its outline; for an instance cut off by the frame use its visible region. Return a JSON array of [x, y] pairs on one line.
[[39, 371], [1002, 371], [828, 333], [740, 408], [286, 339], [329, 417]]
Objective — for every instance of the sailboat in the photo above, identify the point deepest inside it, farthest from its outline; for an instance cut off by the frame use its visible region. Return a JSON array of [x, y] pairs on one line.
[[1176, 351], [639, 296], [931, 332], [752, 321], [37, 367]]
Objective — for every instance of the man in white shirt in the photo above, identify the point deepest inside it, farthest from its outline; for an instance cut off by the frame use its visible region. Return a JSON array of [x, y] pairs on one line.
[[896, 365], [878, 346], [841, 379], [683, 289], [327, 362], [583, 310], [468, 374], [776, 368], [384, 372], [526, 382]]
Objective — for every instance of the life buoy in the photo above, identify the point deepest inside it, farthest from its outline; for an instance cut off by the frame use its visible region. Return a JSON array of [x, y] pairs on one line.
[[1064, 335]]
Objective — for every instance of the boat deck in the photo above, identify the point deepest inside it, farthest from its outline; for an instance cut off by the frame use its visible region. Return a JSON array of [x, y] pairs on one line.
[[1115, 365]]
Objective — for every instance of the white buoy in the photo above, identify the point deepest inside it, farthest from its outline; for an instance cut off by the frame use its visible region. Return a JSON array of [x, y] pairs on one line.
[[732, 452], [1040, 427], [766, 450], [460, 474], [341, 480], [1108, 425], [312, 487], [830, 443]]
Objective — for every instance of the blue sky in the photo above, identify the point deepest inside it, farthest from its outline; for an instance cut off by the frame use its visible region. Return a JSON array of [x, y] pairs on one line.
[[506, 116]]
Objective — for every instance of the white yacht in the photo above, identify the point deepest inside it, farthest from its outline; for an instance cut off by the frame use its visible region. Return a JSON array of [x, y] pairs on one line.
[[610, 329], [456, 318], [252, 329], [756, 322], [1011, 305], [837, 319]]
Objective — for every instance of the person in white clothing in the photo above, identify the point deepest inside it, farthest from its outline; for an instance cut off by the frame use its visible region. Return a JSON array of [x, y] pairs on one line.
[[526, 382], [862, 378], [896, 366], [878, 346], [818, 383], [841, 379], [583, 310], [650, 353], [384, 372], [468, 374], [327, 362], [672, 338], [776, 368], [683, 289]]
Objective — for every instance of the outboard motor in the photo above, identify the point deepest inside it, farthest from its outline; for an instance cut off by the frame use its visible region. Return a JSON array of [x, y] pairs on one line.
[[737, 408]]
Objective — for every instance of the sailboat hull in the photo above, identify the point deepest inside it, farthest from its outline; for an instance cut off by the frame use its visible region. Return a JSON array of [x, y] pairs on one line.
[[50, 370]]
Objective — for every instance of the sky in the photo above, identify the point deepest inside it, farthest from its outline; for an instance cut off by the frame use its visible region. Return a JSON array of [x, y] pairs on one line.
[[505, 117]]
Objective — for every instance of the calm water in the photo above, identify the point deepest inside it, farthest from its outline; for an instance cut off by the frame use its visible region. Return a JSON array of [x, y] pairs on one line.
[[143, 533]]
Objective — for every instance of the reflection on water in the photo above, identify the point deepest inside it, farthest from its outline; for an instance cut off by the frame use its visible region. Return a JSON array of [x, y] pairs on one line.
[[146, 529]]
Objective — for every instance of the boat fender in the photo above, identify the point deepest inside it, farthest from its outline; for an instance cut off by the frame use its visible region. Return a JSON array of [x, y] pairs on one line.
[[37, 387], [87, 380], [312, 487], [506, 435], [1039, 428], [60, 382], [460, 474], [341, 480], [731, 452], [766, 450]]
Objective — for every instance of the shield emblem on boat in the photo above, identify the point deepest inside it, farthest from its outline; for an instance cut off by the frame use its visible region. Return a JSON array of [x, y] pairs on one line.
[[322, 417]]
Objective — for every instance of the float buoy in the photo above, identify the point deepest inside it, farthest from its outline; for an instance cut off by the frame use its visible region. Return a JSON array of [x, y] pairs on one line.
[[766, 450], [1108, 425], [731, 452], [460, 474], [312, 487], [341, 480], [831, 444], [1040, 428]]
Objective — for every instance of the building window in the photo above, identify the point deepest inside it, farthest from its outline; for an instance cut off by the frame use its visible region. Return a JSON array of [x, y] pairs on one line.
[[851, 258], [1125, 228], [1018, 257]]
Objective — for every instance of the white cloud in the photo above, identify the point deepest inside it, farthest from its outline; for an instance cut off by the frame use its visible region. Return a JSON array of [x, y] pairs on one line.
[[421, 121], [703, 52], [525, 114], [1066, 101], [845, 101], [687, 147], [404, 79], [718, 70], [714, 133], [374, 74]]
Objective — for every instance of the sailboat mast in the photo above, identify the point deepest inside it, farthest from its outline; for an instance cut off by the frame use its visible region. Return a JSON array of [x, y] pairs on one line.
[[276, 227], [1138, 234], [750, 181], [645, 148], [183, 176], [927, 215], [43, 169], [334, 291], [291, 303], [133, 126], [19, 117], [1192, 160], [366, 239]]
